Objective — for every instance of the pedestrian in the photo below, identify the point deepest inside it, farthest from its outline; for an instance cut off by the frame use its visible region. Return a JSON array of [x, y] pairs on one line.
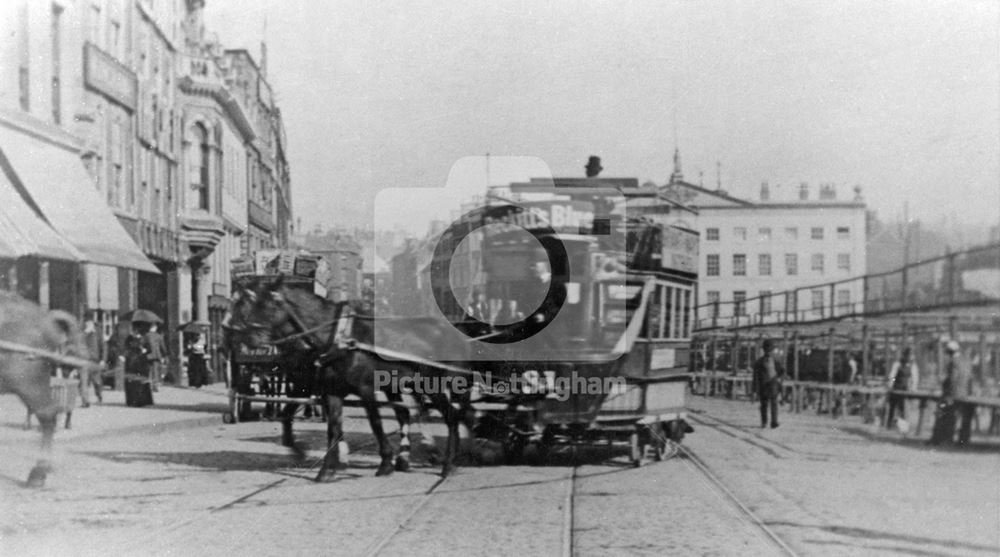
[[767, 375], [944, 423], [480, 308], [136, 360], [510, 314], [852, 366], [197, 370], [95, 352], [157, 355], [903, 377]]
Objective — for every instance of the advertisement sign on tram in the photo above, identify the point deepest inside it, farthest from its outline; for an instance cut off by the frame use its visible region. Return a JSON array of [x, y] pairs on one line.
[[679, 249]]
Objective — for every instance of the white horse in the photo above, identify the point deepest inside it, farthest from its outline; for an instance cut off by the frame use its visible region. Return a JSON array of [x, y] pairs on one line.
[[26, 372]]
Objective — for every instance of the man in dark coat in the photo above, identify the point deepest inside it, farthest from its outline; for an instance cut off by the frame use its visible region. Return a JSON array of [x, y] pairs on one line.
[[767, 375], [946, 415]]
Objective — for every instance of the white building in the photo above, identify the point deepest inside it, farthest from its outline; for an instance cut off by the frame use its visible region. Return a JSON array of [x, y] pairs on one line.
[[754, 252]]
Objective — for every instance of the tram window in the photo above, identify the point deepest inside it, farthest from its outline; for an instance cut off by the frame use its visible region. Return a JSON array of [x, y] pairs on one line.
[[668, 311], [686, 329], [653, 320], [572, 293]]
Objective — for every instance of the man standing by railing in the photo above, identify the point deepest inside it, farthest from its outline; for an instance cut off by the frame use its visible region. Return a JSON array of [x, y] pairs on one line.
[[902, 377], [767, 375]]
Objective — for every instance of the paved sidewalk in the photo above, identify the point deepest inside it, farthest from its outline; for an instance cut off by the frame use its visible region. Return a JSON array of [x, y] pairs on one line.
[[173, 408]]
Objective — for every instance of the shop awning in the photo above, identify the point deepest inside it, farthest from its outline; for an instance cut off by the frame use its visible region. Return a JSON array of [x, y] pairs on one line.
[[23, 232], [56, 181]]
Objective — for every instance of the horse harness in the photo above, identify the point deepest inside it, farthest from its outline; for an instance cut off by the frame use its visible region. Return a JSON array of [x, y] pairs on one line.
[[340, 337]]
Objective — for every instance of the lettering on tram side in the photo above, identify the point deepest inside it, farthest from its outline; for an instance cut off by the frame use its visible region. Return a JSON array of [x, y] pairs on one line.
[[563, 217], [530, 382]]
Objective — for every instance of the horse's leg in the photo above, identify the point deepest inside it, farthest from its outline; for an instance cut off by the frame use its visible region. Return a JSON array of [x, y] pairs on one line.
[[287, 437], [36, 478], [441, 402], [334, 433], [403, 417], [375, 421], [428, 447]]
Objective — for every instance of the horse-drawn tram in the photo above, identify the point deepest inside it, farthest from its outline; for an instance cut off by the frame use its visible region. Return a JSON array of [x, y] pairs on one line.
[[574, 328], [611, 361]]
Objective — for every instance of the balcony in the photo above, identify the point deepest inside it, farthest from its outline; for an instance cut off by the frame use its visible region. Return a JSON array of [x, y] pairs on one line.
[[200, 72]]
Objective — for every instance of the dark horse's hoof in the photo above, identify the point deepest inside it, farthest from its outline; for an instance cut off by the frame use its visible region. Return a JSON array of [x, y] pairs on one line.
[[384, 469], [402, 464], [36, 478], [433, 455], [297, 451], [325, 475], [447, 470]]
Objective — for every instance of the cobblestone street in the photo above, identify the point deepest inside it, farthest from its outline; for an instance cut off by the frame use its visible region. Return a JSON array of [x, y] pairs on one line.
[[222, 489]]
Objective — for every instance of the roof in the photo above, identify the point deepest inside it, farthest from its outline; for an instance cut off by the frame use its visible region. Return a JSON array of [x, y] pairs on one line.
[[53, 180], [718, 194]]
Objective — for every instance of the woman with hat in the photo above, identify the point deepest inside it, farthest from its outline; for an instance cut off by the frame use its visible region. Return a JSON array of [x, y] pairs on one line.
[[197, 367]]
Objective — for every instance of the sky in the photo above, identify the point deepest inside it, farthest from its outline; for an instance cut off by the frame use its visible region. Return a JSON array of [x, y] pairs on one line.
[[901, 98]]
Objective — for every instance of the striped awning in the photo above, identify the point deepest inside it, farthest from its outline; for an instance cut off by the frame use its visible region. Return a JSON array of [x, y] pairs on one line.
[[24, 233]]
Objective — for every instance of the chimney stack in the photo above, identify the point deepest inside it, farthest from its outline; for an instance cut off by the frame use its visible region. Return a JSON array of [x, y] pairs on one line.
[[804, 191], [827, 192], [765, 191], [593, 167]]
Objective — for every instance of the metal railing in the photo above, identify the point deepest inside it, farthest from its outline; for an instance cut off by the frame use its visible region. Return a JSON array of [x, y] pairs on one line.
[[965, 278]]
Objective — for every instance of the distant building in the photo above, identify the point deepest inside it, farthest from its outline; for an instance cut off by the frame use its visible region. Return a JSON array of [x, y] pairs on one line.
[[751, 250], [344, 257]]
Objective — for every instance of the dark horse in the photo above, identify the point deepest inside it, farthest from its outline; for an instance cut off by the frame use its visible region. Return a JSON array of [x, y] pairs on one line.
[[28, 376], [266, 311]]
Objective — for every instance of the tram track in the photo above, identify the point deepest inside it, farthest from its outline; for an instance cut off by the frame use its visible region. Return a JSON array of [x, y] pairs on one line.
[[716, 485], [773, 448], [164, 536], [569, 514], [381, 544]]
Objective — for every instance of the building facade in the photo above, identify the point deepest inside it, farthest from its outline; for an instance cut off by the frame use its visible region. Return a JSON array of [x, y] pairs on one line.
[[69, 96], [753, 252], [147, 116]]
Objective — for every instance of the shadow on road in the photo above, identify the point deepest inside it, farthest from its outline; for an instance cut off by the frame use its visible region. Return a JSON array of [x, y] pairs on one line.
[[866, 534], [977, 445]]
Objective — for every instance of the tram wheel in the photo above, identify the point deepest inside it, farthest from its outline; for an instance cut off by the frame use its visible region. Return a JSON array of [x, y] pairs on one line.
[[660, 444], [675, 431], [637, 449]]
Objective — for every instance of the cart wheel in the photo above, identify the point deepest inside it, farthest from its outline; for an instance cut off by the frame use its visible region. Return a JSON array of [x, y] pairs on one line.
[[544, 445], [638, 449], [228, 418], [513, 448]]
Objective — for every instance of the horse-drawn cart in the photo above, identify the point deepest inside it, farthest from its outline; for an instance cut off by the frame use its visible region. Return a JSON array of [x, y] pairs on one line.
[[259, 374]]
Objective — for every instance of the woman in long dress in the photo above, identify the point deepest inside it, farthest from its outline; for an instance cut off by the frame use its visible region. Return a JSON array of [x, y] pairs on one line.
[[197, 370]]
